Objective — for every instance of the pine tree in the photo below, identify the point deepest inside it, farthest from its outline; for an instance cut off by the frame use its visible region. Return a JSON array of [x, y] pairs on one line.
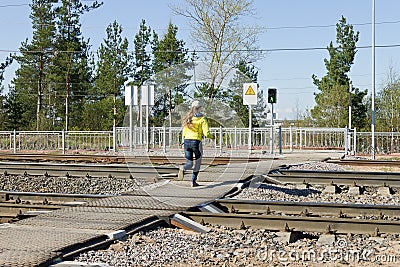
[[36, 58], [3, 113], [333, 99], [142, 65], [15, 111], [3, 66], [72, 69], [113, 68], [169, 65], [142, 60]]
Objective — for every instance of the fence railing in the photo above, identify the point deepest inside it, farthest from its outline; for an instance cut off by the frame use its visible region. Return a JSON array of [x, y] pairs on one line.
[[171, 138], [272, 139], [268, 138], [18, 141], [385, 142]]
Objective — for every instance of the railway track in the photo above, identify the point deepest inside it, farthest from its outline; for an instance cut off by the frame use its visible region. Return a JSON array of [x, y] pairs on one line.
[[307, 217], [81, 158], [20, 205], [270, 215], [89, 170], [365, 162], [309, 209], [336, 177], [297, 223]]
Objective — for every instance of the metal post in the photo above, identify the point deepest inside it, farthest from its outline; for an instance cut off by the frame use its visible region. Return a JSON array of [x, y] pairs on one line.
[[235, 135], [164, 138], [141, 117], [147, 124], [350, 104], [115, 138], [220, 139], [373, 81], [280, 139], [15, 141], [250, 127], [153, 137], [134, 136], [63, 141], [346, 140], [271, 141], [355, 141], [291, 138], [301, 139], [131, 121]]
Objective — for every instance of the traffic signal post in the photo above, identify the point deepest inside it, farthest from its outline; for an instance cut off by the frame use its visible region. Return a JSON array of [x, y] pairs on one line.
[[272, 100]]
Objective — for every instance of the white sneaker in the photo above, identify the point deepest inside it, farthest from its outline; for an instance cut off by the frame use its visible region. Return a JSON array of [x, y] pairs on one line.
[[181, 173]]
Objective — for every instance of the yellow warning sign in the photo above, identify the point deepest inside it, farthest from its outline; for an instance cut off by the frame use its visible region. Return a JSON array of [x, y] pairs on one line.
[[250, 91]]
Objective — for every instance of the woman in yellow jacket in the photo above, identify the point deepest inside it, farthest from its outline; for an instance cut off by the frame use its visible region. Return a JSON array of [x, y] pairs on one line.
[[195, 126]]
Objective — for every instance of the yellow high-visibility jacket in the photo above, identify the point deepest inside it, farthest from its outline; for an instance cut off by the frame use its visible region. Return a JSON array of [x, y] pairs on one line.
[[199, 128]]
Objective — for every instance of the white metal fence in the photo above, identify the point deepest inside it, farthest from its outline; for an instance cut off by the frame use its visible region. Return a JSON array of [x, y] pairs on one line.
[[21, 141], [238, 138], [385, 142], [273, 139], [170, 138]]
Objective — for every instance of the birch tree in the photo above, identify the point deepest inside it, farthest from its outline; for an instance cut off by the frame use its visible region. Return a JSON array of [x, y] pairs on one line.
[[222, 35]]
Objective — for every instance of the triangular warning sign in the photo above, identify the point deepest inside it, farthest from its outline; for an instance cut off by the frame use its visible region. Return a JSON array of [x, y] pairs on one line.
[[250, 91]]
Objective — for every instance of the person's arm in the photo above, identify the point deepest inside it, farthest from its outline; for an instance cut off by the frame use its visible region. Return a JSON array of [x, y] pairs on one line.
[[206, 130]]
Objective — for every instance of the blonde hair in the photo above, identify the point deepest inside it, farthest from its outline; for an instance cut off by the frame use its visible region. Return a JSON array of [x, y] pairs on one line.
[[187, 120]]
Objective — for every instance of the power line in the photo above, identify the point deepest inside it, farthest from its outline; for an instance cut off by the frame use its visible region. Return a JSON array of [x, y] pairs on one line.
[[329, 25], [223, 51], [309, 78], [14, 5]]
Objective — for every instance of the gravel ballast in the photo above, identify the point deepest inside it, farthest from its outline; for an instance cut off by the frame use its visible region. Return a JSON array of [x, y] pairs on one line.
[[224, 246]]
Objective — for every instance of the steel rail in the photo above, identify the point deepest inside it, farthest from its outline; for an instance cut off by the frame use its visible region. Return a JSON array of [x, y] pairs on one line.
[[21, 205], [47, 198], [89, 170], [86, 158], [337, 177], [362, 162], [102, 242], [296, 223], [306, 208], [20, 211]]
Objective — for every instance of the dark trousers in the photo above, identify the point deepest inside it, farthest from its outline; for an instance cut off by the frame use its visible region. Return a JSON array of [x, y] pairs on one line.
[[193, 152]]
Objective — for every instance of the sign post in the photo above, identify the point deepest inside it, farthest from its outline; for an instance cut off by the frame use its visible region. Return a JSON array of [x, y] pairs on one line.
[[348, 148], [132, 99], [147, 100], [250, 98], [130, 92]]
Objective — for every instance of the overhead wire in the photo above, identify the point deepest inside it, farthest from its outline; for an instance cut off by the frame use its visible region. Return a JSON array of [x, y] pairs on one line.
[[329, 25], [13, 5], [242, 50], [210, 51]]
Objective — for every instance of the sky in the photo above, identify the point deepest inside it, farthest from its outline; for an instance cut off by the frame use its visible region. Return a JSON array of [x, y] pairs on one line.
[[289, 24]]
